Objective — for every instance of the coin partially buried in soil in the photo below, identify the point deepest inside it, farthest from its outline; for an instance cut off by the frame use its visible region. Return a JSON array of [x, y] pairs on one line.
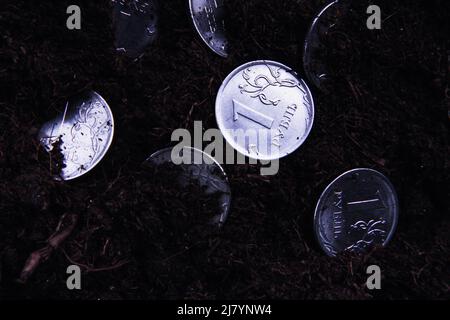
[[209, 21], [357, 211], [191, 168], [135, 25], [315, 49], [264, 110], [83, 132], [338, 43]]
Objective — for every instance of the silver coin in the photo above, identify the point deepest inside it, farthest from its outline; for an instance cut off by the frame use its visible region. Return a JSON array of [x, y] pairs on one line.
[[84, 131], [357, 211], [264, 110], [205, 170], [135, 25], [314, 47], [208, 19]]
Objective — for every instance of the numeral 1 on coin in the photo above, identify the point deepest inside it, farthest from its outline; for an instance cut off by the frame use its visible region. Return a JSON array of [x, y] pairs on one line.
[[255, 116]]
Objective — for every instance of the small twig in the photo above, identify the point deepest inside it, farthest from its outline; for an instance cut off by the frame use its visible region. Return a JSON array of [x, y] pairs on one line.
[[179, 253], [379, 161], [88, 268], [354, 90], [105, 246], [191, 110], [58, 227], [56, 239]]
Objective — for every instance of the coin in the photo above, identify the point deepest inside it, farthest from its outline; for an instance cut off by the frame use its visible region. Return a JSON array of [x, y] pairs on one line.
[[264, 110], [335, 45], [208, 19], [314, 48], [203, 169], [135, 25], [84, 132], [357, 211]]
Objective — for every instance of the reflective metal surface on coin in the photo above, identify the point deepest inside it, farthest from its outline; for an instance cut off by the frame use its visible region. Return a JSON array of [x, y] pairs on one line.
[[314, 48], [208, 19], [264, 110], [84, 132], [203, 169], [135, 24], [357, 211]]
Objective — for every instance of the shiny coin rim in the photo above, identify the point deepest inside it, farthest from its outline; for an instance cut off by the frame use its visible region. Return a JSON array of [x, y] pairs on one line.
[[395, 208], [225, 214], [224, 53], [218, 107]]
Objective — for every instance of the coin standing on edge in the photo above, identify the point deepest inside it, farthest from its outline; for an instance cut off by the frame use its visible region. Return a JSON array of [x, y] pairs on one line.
[[264, 110], [208, 19], [357, 211], [208, 174], [314, 48], [84, 131], [135, 24]]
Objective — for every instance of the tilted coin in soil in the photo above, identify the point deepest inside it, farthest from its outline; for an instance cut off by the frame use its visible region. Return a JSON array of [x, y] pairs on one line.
[[135, 24], [264, 110], [335, 42], [317, 72], [195, 166], [357, 211], [83, 132], [208, 17]]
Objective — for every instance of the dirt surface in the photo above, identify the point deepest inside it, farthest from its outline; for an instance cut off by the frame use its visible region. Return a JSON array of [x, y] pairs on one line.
[[386, 111]]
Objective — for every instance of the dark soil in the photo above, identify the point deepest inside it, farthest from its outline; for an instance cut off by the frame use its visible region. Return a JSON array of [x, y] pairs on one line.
[[386, 111]]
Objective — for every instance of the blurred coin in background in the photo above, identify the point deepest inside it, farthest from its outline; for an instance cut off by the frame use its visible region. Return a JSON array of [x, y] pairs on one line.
[[197, 170], [135, 24]]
